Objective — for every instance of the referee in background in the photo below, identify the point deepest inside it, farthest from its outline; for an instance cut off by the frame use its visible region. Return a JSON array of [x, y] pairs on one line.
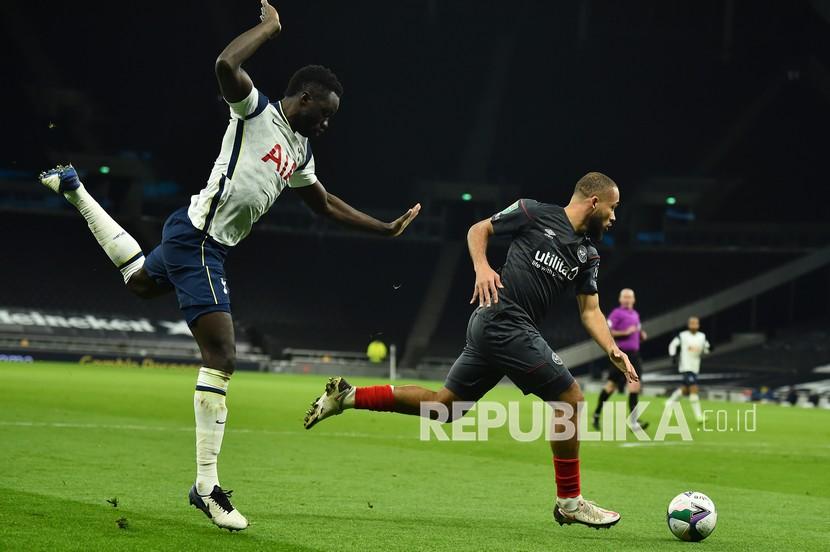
[[627, 331]]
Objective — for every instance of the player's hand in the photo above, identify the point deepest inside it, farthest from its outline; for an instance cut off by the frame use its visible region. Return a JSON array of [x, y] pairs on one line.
[[643, 335], [620, 361], [270, 18], [397, 226], [488, 283]]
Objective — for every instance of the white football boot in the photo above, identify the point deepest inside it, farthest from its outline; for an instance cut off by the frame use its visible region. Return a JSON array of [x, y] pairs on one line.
[[330, 403], [217, 506], [586, 513]]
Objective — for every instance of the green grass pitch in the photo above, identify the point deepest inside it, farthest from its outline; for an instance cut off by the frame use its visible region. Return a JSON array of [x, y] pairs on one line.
[[72, 437]]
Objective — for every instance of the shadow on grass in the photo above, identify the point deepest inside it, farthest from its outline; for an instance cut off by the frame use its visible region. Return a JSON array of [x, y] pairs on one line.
[[30, 521]]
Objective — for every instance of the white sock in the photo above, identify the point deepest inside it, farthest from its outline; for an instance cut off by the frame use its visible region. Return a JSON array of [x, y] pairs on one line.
[[120, 247], [348, 400], [569, 504], [676, 395], [211, 415], [696, 406]]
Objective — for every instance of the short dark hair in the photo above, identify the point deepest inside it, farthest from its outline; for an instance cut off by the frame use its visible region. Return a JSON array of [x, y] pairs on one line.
[[315, 75], [593, 184]]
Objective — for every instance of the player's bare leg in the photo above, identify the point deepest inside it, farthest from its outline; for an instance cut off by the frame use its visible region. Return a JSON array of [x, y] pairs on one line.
[[404, 399], [213, 332], [570, 507], [142, 285]]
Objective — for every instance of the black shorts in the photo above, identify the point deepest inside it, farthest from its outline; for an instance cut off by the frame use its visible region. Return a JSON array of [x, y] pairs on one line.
[[618, 377], [501, 343]]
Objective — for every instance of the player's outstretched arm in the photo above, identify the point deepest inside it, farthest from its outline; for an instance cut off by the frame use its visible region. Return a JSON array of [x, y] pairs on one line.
[[488, 281], [597, 327], [334, 208], [234, 82]]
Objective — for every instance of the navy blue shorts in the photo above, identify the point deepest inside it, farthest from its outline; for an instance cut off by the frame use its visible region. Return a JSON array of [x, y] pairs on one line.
[[193, 264], [689, 378]]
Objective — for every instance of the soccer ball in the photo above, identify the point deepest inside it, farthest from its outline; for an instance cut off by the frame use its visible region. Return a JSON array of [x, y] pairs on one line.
[[692, 516]]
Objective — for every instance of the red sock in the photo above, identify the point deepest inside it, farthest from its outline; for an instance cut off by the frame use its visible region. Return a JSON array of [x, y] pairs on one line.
[[376, 397], [567, 477]]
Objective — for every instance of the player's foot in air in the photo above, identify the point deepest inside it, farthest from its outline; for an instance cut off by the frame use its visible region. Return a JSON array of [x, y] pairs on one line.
[[586, 513], [640, 425], [62, 178], [217, 506], [330, 403]]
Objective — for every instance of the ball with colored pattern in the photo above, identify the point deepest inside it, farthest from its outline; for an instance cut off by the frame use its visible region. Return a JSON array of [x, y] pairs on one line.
[[692, 516]]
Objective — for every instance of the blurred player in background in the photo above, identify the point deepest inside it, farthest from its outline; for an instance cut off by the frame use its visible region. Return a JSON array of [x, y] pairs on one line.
[[686, 349], [625, 326], [264, 150], [551, 254]]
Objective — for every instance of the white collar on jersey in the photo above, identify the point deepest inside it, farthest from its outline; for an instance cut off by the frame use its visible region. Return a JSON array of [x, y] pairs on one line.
[[278, 105]]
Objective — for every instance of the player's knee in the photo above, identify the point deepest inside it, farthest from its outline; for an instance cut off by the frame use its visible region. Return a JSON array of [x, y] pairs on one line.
[[222, 357], [141, 285], [138, 287], [453, 407], [572, 395], [224, 364]]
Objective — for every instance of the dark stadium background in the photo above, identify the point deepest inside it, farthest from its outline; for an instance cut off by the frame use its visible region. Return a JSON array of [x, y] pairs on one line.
[[721, 106]]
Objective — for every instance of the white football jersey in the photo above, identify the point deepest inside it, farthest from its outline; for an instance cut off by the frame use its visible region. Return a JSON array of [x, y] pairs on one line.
[[260, 156], [692, 347]]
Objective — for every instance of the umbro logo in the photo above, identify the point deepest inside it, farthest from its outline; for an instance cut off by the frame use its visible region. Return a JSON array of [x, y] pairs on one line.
[[550, 233]]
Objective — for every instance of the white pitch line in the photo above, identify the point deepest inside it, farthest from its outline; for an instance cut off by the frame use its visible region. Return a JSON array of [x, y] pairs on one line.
[[654, 443], [359, 435], [131, 427], [720, 445]]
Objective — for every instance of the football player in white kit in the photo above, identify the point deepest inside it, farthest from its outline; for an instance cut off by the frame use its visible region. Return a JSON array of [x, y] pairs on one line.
[[690, 344], [265, 149]]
